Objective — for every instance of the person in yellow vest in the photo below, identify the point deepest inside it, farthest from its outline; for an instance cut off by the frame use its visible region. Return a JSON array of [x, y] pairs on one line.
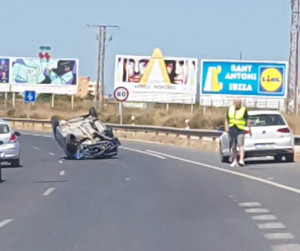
[[235, 124]]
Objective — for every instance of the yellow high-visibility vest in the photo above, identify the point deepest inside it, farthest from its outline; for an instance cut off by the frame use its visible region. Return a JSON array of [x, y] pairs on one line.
[[237, 117]]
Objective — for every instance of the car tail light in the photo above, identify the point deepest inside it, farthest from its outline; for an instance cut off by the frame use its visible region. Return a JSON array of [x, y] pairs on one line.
[[247, 131], [13, 138], [284, 130]]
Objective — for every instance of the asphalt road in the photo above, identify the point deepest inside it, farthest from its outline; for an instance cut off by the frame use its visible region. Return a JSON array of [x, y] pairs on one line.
[[150, 197]]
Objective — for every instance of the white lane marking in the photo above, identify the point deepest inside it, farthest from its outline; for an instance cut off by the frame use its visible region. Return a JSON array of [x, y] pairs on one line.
[[48, 191], [264, 217], [62, 173], [250, 177], [256, 210], [279, 236], [36, 148], [143, 152], [60, 161], [271, 225], [286, 247], [231, 196], [52, 154], [5, 222], [249, 204]]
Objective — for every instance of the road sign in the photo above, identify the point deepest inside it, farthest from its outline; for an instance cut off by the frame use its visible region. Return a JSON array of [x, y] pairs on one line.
[[121, 94], [29, 96]]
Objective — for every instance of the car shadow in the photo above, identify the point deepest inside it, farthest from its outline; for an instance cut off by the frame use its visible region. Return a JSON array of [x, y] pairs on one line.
[[6, 165], [70, 159]]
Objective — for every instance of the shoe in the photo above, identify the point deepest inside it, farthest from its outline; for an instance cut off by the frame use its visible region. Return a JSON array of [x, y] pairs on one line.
[[241, 163], [233, 164]]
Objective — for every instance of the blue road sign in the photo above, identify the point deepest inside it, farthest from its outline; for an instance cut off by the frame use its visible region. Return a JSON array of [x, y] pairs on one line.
[[29, 96]]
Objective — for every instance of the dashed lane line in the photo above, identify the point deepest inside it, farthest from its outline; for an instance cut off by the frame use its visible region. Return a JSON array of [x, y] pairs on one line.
[[247, 176], [279, 236], [263, 217], [48, 191], [60, 161], [36, 148], [271, 225], [52, 154], [256, 210], [250, 204], [5, 222], [286, 247], [62, 173]]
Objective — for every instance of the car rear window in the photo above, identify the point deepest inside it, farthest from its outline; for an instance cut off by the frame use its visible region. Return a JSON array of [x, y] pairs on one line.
[[4, 129], [266, 120]]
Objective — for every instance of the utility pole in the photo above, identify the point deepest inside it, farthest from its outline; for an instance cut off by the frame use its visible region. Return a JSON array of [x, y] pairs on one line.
[[101, 37], [293, 91]]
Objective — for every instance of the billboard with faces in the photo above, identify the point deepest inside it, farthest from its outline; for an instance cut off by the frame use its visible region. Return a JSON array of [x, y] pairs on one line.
[[157, 79]]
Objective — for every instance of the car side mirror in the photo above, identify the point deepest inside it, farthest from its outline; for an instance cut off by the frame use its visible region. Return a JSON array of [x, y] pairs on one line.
[[18, 134], [221, 128]]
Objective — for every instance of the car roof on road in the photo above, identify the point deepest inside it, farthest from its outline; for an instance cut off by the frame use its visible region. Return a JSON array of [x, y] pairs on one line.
[[258, 112]]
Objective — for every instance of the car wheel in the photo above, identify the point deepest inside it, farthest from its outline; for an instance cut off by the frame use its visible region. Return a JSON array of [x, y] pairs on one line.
[[93, 112], [289, 157], [278, 158], [72, 144], [15, 162], [54, 122], [224, 159]]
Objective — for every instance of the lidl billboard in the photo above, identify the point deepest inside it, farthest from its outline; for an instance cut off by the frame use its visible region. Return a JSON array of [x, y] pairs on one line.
[[240, 78]]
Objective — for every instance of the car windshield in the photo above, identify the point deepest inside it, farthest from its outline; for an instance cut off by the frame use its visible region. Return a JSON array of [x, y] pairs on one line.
[[266, 120]]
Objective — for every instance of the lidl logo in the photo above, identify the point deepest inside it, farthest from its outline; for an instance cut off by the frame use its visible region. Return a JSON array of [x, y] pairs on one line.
[[271, 80], [212, 83]]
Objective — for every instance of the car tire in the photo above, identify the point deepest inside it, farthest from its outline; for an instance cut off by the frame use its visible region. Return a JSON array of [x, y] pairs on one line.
[[15, 162], [54, 122], [93, 112], [289, 157], [224, 159], [278, 158], [72, 145]]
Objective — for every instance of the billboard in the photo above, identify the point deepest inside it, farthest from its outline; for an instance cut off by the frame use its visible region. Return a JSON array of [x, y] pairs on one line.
[[4, 74], [257, 82], [157, 79], [58, 76]]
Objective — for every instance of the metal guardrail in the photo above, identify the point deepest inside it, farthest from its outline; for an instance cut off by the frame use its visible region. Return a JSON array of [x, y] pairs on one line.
[[144, 128]]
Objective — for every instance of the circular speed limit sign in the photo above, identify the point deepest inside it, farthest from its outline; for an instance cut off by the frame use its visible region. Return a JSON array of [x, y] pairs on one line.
[[121, 94]]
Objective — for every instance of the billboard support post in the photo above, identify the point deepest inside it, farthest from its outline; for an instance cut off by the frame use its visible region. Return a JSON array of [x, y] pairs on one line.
[[5, 100], [14, 99], [52, 100], [72, 102], [192, 108], [167, 107]]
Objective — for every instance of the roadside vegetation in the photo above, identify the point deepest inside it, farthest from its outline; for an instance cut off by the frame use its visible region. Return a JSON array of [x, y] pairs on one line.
[[156, 115]]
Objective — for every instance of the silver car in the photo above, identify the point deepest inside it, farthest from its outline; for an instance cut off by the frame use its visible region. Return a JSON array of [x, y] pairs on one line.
[[9, 144], [271, 136]]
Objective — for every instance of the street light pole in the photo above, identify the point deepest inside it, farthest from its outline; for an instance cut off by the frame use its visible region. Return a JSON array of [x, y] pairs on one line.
[[101, 37]]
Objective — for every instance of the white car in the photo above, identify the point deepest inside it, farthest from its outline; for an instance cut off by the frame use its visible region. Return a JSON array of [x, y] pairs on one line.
[[271, 136], [9, 144]]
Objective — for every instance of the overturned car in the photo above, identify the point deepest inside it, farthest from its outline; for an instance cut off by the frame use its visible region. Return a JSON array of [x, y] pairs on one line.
[[85, 137]]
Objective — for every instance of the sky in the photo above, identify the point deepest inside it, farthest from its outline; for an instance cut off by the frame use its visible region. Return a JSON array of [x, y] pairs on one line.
[[204, 29]]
